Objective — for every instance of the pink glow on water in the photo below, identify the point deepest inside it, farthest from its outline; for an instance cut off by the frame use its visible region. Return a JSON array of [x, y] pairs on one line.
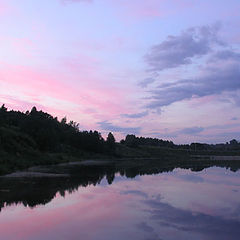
[[87, 209], [107, 211]]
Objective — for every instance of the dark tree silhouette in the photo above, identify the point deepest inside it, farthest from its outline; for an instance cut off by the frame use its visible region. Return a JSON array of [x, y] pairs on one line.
[[48, 134], [111, 141], [36, 134], [133, 141]]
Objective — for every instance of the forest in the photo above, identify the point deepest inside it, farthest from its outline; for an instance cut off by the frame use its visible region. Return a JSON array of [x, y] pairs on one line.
[[36, 137]]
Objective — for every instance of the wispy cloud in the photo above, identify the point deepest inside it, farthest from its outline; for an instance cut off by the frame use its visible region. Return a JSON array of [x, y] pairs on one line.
[[144, 83], [216, 227], [212, 80], [192, 130], [179, 50], [135, 192], [107, 126], [217, 72], [135, 115]]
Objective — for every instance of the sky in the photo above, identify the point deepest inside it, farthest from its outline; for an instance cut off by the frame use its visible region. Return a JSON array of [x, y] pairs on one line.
[[168, 69]]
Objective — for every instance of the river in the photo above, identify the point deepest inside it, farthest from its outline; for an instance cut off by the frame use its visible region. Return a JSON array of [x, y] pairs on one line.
[[181, 204]]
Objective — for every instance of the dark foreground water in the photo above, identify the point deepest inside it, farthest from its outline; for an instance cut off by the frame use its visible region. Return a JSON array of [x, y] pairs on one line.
[[169, 206]]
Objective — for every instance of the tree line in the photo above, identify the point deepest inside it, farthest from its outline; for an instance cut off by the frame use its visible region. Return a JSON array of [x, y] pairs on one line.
[[40, 130]]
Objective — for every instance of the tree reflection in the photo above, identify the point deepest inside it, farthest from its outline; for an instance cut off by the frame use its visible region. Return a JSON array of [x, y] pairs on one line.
[[35, 191]]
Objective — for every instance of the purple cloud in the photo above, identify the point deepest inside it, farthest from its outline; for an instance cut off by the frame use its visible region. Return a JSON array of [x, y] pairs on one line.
[[145, 227], [234, 119], [135, 115], [225, 55], [215, 226], [179, 50], [192, 130], [144, 83], [107, 126], [185, 131], [222, 75]]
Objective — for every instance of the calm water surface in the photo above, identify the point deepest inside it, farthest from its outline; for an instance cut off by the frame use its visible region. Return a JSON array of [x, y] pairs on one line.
[[176, 205]]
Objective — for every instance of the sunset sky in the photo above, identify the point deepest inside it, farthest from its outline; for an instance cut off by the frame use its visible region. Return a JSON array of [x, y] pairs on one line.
[[159, 68]]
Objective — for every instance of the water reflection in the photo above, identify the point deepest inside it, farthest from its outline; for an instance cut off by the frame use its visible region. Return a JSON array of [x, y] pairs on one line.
[[32, 192], [177, 204]]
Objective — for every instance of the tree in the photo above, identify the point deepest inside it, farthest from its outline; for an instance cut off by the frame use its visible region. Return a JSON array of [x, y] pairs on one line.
[[34, 110], [131, 140], [3, 108], [233, 142], [64, 120], [111, 141]]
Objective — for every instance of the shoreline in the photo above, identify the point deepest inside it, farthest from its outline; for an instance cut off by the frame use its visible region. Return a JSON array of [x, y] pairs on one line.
[[62, 170]]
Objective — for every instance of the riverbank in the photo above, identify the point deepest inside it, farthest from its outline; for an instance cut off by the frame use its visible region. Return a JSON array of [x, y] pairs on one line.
[[215, 158], [144, 165], [123, 155]]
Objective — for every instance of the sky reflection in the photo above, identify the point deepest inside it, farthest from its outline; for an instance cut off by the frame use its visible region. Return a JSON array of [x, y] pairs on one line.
[[181, 204]]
